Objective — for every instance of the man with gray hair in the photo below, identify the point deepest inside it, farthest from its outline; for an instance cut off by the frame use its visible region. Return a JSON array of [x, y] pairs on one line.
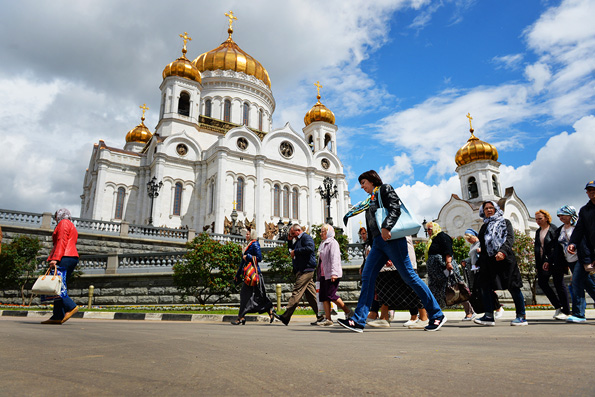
[[303, 257]]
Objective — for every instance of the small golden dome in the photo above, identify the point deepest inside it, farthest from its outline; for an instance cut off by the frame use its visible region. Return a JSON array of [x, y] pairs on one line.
[[229, 56], [319, 112], [182, 67], [475, 149], [140, 133]]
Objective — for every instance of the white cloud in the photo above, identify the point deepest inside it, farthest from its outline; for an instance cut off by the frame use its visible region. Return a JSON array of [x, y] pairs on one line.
[[512, 61], [400, 170], [539, 73]]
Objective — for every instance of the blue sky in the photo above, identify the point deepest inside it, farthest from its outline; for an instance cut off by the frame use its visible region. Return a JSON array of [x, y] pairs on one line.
[[400, 76]]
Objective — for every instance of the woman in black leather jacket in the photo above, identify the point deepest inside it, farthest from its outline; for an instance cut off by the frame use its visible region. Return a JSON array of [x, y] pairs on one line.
[[383, 249], [545, 244]]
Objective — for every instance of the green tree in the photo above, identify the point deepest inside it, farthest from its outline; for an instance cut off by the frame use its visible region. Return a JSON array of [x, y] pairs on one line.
[[523, 248], [18, 263], [420, 252], [209, 269], [460, 249], [279, 262]]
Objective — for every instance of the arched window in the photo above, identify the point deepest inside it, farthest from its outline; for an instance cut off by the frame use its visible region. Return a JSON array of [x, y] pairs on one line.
[[120, 203], [240, 195], [276, 200], [245, 113], [286, 202], [472, 188], [260, 119], [208, 107], [211, 197], [495, 185], [328, 142], [178, 198], [227, 110], [184, 104], [294, 204], [311, 143]]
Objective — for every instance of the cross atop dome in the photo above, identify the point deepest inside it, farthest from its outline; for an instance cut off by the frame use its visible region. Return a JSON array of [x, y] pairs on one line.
[[231, 19], [186, 39], [144, 108]]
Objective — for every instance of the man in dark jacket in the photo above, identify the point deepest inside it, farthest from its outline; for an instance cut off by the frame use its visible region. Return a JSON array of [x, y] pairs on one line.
[[585, 227], [303, 255]]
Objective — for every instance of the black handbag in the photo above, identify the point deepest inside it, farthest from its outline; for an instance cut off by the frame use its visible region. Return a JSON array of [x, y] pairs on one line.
[[456, 291]]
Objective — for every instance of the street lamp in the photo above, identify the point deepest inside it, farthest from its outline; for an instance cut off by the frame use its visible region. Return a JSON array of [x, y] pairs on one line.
[[153, 191], [424, 223], [327, 193]]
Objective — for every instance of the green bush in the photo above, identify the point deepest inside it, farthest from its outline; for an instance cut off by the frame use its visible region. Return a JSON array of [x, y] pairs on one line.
[[209, 269], [460, 249], [18, 263], [280, 266], [420, 253], [524, 251]]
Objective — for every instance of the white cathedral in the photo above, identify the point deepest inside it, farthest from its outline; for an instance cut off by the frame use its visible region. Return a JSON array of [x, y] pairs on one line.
[[479, 174], [214, 150]]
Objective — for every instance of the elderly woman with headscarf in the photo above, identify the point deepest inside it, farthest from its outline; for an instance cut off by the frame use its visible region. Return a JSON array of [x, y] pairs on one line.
[[498, 268], [439, 262], [63, 258], [330, 272], [581, 280]]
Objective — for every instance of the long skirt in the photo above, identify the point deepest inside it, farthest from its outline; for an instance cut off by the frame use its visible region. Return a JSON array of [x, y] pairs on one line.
[[254, 299], [392, 291]]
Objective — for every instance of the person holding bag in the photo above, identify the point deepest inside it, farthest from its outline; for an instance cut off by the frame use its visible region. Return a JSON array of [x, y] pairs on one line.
[[63, 259], [253, 298], [383, 249], [442, 274]]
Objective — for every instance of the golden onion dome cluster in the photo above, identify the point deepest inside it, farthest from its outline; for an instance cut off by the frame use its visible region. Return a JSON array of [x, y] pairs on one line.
[[319, 112], [474, 150], [229, 56]]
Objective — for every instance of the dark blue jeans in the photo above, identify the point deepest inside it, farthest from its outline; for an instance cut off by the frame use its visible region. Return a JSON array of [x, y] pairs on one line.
[[396, 251], [581, 282], [65, 304], [517, 297]]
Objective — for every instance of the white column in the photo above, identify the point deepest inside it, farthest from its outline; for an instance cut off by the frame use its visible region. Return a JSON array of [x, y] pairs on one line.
[[258, 188], [219, 192], [309, 218], [99, 189]]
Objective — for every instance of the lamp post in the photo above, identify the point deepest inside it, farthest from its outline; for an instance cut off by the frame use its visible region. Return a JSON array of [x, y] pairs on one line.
[[153, 191], [327, 193], [424, 223]]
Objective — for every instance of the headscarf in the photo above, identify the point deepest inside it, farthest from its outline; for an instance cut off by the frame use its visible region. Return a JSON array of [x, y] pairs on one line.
[[435, 230], [62, 213], [330, 237], [471, 232], [361, 206], [569, 210], [496, 232]]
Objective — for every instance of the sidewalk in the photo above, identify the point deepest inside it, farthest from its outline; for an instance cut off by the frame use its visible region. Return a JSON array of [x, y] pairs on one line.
[[400, 316]]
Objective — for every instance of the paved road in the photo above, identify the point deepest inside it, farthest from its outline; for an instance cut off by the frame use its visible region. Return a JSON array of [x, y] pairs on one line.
[[121, 358]]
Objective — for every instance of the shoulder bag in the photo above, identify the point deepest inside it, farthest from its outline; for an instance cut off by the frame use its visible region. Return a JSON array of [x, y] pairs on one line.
[[251, 276], [406, 225], [47, 284], [456, 291]]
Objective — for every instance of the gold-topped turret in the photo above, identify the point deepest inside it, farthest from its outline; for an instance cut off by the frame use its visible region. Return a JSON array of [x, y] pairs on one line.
[[475, 149], [182, 67], [140, 133], [319, 112], [229, 56]]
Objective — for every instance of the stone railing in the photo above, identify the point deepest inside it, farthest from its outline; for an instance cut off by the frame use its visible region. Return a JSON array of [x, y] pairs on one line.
[[93, 226], [160, 232], [20, 218], [132, 263]]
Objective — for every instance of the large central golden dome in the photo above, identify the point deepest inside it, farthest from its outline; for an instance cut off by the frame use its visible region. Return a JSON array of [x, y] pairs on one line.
[[475, 149], [229, 56]]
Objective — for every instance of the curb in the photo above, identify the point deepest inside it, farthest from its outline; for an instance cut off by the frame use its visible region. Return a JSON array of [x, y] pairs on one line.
[[137, 316]]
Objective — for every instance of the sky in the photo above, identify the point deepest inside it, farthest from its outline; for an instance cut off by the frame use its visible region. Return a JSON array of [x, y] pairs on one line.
[[400, 76]]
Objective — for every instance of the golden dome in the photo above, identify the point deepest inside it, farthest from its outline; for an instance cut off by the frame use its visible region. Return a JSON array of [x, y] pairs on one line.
[[475, 149], [229, 56], [140, 133], [182, 67], [319, 112]]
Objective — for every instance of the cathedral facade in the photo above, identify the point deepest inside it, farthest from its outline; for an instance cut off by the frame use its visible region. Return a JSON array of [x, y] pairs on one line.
[[479, 175], [214, 151]]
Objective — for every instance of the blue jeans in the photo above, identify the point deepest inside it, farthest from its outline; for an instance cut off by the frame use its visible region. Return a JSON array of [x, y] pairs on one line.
[[396, 251], [517, 297], [65, 304], [581, 282]]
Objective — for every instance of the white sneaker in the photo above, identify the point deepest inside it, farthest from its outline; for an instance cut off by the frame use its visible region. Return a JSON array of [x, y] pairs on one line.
[[326, 323], [379, 324], [559, 315], [499, 313], [391, 315], [419, 324], [410, 322]]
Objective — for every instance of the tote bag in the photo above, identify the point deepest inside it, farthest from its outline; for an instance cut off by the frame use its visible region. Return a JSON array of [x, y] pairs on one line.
[[406, 225], [251, 276], [47, 284]]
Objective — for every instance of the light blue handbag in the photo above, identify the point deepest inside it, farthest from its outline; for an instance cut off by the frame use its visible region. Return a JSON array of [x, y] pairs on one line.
[[406, 225]]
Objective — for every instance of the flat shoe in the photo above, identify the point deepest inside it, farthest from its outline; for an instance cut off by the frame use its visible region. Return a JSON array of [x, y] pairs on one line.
[[70, 314]]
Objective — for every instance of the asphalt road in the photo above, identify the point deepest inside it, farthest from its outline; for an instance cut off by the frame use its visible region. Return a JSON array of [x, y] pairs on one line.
[[124, 358]]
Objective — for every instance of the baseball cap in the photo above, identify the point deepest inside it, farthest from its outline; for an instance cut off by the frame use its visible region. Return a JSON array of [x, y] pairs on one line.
[[590, 184]]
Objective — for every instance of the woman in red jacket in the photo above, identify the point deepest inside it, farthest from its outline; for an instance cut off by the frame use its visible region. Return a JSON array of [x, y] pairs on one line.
[[64, 257]]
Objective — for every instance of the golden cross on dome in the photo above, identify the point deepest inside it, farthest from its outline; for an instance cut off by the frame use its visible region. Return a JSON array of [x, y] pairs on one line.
[[186, 39], [231, 18], [470, 118], [234, 202], [144, 108], [318, 87]]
